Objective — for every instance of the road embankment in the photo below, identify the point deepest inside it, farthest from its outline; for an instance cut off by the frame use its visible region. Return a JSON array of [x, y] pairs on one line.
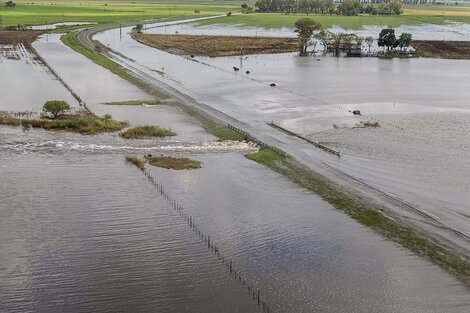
[[216, 46]]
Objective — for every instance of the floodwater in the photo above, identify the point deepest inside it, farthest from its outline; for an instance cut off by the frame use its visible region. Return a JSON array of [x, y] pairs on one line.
[[99, 237], [410, 98], [62, 24], [448, 31], [82, 231], [26, 84]]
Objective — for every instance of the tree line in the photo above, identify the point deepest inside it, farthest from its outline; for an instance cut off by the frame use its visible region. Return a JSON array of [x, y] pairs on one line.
[[336, 42], [346, 7]]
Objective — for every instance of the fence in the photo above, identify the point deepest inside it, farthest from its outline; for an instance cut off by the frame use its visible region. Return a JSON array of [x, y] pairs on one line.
[[254, 293], [57, 76]]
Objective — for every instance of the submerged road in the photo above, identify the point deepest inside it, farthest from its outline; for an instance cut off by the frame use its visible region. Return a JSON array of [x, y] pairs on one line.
[[309, 156]]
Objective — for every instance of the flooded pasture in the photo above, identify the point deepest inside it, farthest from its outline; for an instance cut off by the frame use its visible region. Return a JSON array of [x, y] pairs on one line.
[[25, 83], [314, 94], [99, 236], [82, 231], [448, 31]]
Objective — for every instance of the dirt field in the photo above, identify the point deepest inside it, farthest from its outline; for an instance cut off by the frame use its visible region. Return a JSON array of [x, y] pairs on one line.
[[14, 37], [218, 45], [442, 49]]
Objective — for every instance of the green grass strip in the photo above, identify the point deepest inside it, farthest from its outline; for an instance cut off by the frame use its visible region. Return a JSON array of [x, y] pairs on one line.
[[364, 213]]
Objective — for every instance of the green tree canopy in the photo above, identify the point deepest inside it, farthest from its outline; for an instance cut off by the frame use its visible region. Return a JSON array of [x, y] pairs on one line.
[[404, 40], [10, 4], [304, 28], [387, 38], [56, 107]]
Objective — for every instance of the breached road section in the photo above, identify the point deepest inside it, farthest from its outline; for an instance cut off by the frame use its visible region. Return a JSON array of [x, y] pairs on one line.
[[401, 219]]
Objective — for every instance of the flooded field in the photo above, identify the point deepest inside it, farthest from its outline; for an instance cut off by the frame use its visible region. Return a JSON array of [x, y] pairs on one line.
[[450, 31], [82, 231], [109, 241], [26, 84], [314, 94]]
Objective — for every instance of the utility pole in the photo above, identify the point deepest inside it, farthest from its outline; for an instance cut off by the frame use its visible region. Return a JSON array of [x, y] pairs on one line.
[[1, 23]]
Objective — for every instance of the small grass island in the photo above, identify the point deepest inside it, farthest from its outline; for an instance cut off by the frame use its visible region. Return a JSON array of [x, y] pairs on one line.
[[146, 131], [173, 163]]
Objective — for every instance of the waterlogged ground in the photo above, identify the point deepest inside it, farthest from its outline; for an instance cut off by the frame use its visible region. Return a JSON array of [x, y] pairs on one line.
[[99, 237], [26, 84], [450, 31], [82, 231], [409, 98]]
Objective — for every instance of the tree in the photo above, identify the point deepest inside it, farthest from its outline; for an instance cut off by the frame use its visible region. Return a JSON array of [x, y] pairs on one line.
[[394, 7], [387, 38], [323, 36], [10, 4], [404, 40], [369, 42], [138, 28], [349, 7], [56, 107], [304, 28]]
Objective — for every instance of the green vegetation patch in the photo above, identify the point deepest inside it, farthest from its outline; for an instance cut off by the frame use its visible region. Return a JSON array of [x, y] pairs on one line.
[[146, 131], [367, 124], [264, 156], [278, 20], [222, 132], [364, 213], [134, 102], [85, 125], [173, 163], [133, 160], [110, 11]]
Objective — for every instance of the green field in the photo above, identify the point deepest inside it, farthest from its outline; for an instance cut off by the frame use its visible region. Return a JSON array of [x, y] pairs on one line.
[[36, 13], [412, 16]]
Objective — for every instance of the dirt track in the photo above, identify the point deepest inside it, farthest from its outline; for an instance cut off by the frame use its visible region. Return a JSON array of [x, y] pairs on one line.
[[442, 49], [218, 45]]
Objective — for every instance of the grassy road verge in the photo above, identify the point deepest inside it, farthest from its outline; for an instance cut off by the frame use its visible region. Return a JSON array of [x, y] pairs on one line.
[[222, 132], [364, 213]]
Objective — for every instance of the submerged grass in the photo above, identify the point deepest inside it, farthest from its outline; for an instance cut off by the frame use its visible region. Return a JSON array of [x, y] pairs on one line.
[[173, 163], [134, 102], [367, 124], [136, 161], [146, 131], [364, 213]]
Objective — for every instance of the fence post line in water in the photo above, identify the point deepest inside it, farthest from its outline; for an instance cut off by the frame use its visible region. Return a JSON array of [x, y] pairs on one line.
[[256, 295]]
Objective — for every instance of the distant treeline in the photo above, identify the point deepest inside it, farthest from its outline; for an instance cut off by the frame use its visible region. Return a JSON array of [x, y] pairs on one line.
[[346, 7]]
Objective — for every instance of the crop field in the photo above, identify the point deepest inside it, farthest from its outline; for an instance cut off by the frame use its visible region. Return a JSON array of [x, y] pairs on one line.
[[37, 13], [411, 16]]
